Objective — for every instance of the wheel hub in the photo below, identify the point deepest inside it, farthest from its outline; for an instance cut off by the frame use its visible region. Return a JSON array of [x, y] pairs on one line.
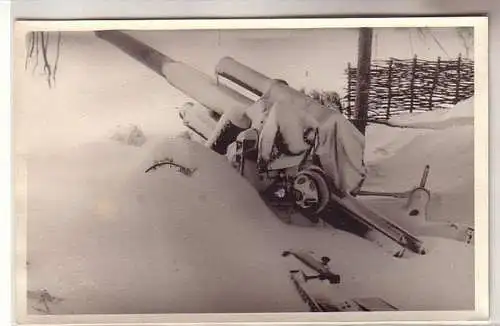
[[310, 190]]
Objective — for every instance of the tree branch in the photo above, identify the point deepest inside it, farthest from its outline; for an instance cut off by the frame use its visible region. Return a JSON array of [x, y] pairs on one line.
[[170, 162]]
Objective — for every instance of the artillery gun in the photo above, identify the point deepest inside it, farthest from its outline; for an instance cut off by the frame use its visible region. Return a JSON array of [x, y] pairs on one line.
[[300, 155]]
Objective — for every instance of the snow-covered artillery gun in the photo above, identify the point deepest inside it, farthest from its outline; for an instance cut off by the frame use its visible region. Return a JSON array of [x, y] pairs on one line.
[[299, 154]]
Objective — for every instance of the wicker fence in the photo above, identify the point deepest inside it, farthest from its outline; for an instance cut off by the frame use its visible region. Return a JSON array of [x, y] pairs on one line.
[[412, 85]]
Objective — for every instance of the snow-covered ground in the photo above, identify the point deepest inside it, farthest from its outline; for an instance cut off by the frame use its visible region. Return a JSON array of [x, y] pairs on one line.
[[106, 237], [444, 139]]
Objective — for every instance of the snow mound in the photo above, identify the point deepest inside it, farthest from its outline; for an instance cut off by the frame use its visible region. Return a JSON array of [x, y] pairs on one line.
[[110, 238], [396, 158], [129, 135], [458, 115]]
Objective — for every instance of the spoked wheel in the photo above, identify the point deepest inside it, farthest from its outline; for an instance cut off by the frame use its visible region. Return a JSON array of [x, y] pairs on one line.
[[311, 191]]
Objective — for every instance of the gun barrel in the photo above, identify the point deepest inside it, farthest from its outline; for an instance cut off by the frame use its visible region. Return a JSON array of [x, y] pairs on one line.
[[192, 82], [143, 53], [243, 76]]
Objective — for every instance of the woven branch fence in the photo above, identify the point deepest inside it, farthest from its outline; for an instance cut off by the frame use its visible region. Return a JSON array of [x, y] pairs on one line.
[[413, 85]]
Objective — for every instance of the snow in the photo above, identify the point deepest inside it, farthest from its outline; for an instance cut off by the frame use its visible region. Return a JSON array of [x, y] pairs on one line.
[[109, 238], [196, 116], [458, 115], [396, 159], [129, 135], [291, 122]]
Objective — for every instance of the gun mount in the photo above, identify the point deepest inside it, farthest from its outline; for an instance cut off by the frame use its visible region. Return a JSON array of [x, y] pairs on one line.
[[295, 151]]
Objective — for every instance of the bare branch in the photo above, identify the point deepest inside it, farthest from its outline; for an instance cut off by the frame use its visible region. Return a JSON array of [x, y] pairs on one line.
[[30, 49], [170, 162], [37, 50], [46, 65], [438, 43], [57, 57]]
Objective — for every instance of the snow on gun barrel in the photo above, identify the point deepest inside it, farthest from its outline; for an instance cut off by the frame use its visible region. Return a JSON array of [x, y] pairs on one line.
[[283, 115]]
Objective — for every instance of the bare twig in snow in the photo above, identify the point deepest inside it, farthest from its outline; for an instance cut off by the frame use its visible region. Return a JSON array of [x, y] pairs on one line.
[[170, 162]]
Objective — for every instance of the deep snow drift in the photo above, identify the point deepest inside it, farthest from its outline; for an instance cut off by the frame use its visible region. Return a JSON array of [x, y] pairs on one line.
[[444, 139], [110, 238]]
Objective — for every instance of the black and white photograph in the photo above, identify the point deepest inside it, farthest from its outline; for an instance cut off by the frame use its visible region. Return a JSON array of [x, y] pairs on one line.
[[207, 170]]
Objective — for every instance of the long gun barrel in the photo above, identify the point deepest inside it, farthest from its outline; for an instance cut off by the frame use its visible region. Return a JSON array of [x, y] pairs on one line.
[[197, 85], [143, 53]]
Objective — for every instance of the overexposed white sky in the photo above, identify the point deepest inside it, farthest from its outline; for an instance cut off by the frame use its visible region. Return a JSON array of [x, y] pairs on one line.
[[99, 87]]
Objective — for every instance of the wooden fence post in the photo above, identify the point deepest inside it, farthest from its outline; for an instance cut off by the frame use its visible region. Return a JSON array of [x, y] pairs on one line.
[[363, 77], [412, 82], [349, 99], [459, 76], [434, 82], [389, 91]]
